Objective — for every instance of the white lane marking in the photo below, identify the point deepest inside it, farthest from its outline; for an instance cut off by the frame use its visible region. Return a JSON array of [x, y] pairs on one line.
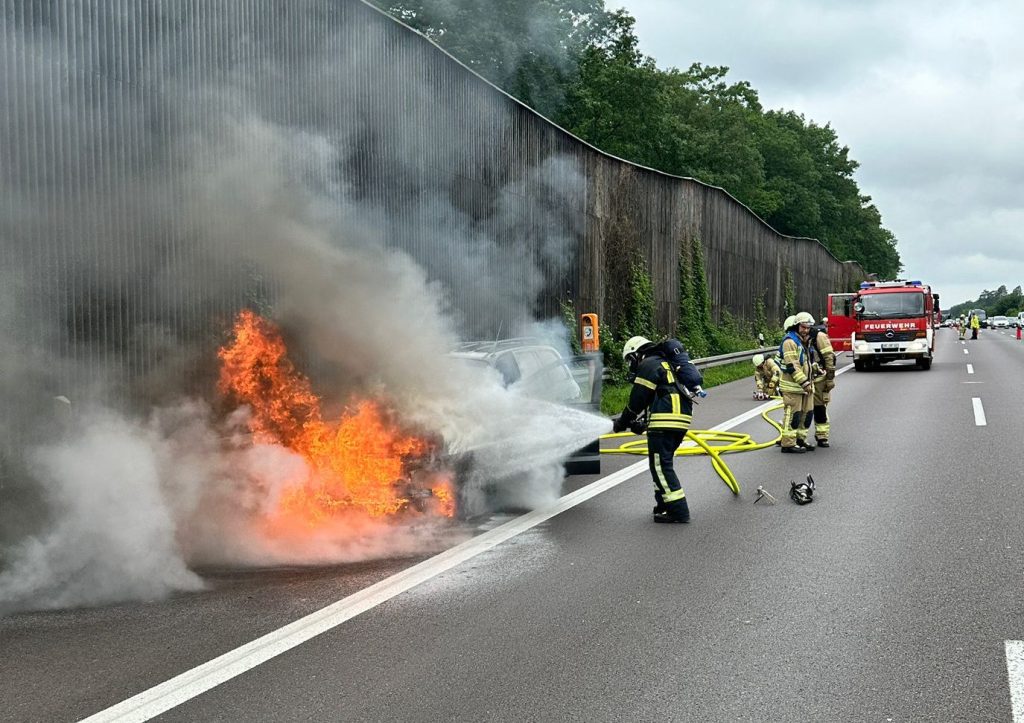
[[186, 686], [979, 412], [970, 369], [967, 351], [1015, 671]]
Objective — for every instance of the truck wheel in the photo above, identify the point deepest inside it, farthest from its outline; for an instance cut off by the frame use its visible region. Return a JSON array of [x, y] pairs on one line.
[[858, 365], [924, 363]]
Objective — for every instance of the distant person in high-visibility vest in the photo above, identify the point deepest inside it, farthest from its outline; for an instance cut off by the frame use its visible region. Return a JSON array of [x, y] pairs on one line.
[[796, 385], [975, 325]]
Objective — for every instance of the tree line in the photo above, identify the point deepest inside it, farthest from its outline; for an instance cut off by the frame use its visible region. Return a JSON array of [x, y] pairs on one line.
[[579, 64], [995, 303]]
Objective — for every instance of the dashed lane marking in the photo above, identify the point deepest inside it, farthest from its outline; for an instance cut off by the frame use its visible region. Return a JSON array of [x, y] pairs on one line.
[[970, 369], [967, 351], [1015, 672], [979, 412]]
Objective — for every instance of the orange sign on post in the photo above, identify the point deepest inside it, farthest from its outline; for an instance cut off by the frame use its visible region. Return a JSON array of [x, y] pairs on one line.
[[589, 339]]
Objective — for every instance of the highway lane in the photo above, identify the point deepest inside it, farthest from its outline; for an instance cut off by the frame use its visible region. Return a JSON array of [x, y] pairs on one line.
[[889, 597]]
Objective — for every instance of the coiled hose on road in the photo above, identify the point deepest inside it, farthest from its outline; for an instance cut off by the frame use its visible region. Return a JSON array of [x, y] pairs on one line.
[[710, 442]]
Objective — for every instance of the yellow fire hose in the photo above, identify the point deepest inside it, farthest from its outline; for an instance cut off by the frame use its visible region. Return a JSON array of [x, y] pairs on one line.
[[710, 442]]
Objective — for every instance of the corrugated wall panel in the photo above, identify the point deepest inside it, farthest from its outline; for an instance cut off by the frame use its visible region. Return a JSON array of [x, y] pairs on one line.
[[98, 93]]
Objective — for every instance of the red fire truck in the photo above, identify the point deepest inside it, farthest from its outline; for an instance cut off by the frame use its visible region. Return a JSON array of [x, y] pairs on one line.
[[883, 322]]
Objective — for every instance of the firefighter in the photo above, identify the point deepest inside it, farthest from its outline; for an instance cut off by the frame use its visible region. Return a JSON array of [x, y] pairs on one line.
[[663, 383], [961, 326], [766, 377], [796, 384], [824, 368], [975, 325]]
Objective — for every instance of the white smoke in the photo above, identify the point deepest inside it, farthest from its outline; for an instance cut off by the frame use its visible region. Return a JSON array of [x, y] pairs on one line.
[[139, 496]]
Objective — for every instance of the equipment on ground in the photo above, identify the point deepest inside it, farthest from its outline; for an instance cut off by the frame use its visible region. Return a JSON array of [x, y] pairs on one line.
[[802, 493]]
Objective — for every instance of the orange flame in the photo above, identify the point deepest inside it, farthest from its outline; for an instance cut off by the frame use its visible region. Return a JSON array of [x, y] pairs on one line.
[[357, 462]]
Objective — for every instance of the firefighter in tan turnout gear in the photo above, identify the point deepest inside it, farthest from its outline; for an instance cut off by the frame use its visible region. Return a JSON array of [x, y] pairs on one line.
[[767, 375], [824, 366], [796, 385]]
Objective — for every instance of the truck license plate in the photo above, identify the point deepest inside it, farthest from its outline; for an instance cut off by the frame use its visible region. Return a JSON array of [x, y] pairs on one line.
[[890, 347]]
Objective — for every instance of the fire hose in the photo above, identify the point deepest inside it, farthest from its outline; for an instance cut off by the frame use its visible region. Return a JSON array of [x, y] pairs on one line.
[[711, 442]]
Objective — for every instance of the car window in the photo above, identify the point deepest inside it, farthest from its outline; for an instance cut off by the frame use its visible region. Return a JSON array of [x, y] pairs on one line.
[[553, 382], [509, 368], [528, 361]]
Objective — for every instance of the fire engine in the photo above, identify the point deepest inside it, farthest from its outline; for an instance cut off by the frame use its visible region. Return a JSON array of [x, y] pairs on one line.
[[884, 321]]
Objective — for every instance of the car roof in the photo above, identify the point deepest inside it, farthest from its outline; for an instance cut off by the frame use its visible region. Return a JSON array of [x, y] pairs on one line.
[[487, 349]]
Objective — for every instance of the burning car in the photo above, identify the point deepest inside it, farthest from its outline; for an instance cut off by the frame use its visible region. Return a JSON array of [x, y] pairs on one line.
[[538, 370]]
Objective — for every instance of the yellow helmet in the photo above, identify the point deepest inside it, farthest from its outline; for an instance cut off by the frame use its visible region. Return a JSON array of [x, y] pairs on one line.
[[758, 360], [804, 318], [789, 323]]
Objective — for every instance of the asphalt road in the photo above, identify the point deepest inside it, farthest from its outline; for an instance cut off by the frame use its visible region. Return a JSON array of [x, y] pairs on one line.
[[888, 598]]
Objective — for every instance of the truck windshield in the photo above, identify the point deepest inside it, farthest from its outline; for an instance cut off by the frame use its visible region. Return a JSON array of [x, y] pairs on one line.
[[893, 306]]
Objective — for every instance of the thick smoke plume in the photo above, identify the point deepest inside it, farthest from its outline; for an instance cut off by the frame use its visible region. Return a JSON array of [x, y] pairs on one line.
[[130, 245]]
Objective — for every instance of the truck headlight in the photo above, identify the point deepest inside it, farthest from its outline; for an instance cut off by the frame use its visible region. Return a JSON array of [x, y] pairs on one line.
[[917, 346], [861, 346]]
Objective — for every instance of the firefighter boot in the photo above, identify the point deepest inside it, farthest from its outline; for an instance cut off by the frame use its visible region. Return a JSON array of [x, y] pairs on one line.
[[802, 443], [822, 442], [678, 511], [792, 450]]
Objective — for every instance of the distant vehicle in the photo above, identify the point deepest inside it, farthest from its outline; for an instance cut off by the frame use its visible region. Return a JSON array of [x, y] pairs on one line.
[[999, 322], [1020, 320], [980, 313]]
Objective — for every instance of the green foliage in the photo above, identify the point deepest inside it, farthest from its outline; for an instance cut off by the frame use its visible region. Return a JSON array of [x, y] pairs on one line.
[[570, 320], [639, 313], [788, 293], [995, 303], [760, 317], [694, 317], [529, 48], [580, 65]]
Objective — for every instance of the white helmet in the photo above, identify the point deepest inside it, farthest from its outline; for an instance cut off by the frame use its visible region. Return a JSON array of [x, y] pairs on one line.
[[789, 323], [634, 345], [803, 318], [758, 360], [824, 320]]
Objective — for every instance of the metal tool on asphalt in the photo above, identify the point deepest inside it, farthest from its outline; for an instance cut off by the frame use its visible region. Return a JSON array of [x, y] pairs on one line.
[[762, 493]]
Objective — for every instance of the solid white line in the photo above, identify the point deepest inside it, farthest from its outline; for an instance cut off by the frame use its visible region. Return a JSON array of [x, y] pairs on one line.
[[181, 688], [1015, 671], [979, 412], [970, 369]]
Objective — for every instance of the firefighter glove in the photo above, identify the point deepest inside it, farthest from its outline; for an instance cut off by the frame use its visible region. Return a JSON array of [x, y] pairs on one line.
[[638, 426], [620, 424]]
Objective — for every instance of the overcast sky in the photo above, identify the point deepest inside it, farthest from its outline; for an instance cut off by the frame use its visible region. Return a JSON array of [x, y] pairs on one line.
[[929, 97]]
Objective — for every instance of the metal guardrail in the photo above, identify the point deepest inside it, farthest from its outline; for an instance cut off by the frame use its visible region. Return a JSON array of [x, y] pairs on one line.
[[722, 359]]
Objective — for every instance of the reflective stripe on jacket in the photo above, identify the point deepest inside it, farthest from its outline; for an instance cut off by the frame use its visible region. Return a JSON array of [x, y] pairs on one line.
[[655, 386]]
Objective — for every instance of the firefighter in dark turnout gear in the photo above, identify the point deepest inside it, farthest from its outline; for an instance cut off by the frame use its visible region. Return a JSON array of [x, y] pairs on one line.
[[663, 383]]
